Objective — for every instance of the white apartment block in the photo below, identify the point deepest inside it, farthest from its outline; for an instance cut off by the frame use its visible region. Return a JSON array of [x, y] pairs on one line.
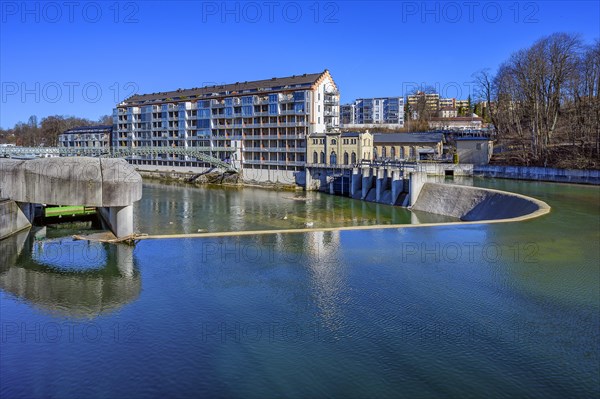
[[379, 111], [86, 137], [268, 119]]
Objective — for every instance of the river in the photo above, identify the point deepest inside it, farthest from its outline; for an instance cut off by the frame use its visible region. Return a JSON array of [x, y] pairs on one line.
[[479, 310]]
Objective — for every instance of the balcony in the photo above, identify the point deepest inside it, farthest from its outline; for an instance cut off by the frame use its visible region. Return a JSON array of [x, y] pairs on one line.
[[259, 100], [286, 99], [275, 137], [269, 162]]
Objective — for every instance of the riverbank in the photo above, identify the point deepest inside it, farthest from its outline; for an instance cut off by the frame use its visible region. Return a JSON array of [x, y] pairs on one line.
[[212, 179]]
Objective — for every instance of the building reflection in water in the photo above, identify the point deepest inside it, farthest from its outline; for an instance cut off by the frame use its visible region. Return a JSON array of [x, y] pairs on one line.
[[53, 276], [320, 252], [179, 209]]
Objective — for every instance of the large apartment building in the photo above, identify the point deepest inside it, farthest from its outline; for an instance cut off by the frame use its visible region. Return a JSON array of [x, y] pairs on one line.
[[268, 120], [86, 138], [374, 111], [431, 100]]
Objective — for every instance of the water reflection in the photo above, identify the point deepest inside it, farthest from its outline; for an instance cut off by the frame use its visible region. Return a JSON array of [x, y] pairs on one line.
[[328, 278], [69, 278], [318, 260], [185, 209]]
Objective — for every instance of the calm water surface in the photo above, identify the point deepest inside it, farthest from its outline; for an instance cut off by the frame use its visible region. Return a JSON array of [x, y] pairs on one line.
[[493, 310], [174, 208]]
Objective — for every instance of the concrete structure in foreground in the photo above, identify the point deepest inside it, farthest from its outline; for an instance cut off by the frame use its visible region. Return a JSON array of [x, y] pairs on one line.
[[111, 185], [12, 219]]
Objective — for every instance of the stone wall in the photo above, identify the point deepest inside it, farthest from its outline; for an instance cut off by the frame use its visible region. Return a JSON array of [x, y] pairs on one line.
[[539, 173]]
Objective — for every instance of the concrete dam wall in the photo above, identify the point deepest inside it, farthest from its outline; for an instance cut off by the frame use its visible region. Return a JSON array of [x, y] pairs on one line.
[[477, 204]]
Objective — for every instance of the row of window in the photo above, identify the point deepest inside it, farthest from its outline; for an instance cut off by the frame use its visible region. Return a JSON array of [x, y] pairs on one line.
[[392, 154], [366, 142], [348, 159]]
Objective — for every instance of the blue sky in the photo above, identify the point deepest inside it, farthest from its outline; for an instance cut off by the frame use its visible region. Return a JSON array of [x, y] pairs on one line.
[[81, 58]]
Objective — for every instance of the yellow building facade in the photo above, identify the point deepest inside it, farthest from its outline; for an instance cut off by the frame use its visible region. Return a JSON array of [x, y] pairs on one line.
[[407, 146], [336, 148]]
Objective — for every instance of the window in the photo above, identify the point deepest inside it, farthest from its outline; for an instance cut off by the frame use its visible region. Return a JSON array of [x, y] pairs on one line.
[[345, 158], [315, 157], [322, 157], [333, 141], [333, 158], [353, 158]]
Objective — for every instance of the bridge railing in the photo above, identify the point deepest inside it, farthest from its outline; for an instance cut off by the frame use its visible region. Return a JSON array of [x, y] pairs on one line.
[[203, 154]]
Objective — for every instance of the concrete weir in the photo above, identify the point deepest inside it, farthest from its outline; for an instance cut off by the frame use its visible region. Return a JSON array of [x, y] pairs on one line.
[[383, 184], [472, 204], [111, 185]]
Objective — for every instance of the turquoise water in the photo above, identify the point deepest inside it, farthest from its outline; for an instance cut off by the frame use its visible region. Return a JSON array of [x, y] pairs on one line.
[[509, 309]]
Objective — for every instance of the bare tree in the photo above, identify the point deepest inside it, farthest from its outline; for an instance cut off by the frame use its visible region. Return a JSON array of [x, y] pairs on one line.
[[545, 98], [105, 120]]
